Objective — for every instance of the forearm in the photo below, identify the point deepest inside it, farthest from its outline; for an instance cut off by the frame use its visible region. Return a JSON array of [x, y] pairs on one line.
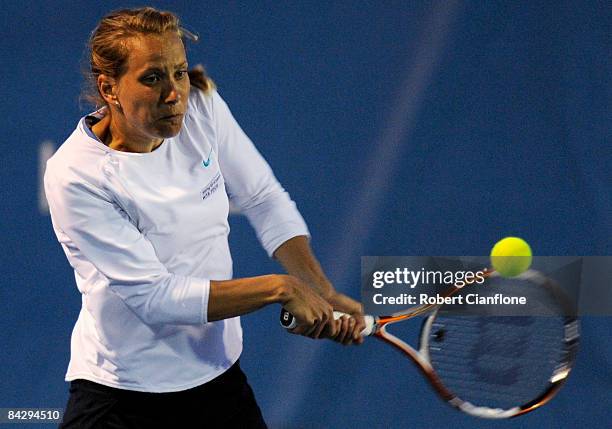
[[230, 298], [296, 256]]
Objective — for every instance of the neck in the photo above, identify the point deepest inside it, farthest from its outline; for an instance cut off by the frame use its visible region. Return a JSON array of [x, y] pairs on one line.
[[114, 137]]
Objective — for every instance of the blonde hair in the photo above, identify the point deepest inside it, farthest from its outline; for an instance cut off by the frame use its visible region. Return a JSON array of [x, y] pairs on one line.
[[108, 51]]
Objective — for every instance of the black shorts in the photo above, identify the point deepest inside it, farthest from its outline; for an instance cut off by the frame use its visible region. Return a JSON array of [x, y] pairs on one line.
[[224, 402]]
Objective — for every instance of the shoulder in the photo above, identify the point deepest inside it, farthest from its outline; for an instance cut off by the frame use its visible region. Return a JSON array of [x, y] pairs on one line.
[[77, 160], [209, 105]]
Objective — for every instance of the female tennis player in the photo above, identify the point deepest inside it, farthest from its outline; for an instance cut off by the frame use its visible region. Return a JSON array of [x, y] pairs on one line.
[[139, 198]]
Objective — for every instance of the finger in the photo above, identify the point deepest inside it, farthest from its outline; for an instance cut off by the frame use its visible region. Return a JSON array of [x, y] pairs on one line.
[[309, 329], [320, 326], [299, 330], [350, 333], [359, 327], [337, 326], [344, 326]]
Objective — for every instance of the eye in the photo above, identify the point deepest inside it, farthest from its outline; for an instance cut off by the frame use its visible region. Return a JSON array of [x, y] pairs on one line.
[[151, 79], [181, 74]]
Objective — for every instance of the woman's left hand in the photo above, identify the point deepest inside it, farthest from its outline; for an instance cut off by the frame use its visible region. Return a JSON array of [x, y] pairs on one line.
[[352, 324]]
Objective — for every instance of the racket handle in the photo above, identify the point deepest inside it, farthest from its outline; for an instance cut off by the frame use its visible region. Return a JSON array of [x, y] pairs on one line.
[[288, 321]]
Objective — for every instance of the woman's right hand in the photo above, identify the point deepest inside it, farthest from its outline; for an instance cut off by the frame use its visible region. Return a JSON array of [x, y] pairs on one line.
[[314, 315]]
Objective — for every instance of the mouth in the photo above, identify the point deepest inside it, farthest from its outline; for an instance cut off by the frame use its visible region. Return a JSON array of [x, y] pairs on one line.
[[171, 117]]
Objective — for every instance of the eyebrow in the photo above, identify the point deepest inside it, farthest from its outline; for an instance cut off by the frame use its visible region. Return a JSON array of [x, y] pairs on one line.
[[156, 67]]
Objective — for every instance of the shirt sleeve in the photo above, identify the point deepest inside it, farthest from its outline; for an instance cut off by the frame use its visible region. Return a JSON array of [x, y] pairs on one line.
[[251, 184], [85, 217]]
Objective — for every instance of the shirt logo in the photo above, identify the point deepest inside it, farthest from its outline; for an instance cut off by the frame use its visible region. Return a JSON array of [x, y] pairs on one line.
[[206, 162], [212, 186]]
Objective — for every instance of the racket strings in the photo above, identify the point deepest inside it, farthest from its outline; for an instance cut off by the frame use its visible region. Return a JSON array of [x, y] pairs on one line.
[[498, 362]]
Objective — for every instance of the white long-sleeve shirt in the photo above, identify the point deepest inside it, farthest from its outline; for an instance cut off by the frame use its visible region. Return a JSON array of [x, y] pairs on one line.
[[145, 234]]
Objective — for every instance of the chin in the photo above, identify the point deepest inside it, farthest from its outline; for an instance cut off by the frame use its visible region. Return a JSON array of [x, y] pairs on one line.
[[169, 127], [169, 131], [169, 134]]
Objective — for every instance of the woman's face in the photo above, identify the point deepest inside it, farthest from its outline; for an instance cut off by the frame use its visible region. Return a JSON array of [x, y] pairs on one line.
[[154, 88]]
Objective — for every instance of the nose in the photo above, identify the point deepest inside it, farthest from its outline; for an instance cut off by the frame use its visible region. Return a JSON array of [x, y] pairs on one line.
[[172, 96]]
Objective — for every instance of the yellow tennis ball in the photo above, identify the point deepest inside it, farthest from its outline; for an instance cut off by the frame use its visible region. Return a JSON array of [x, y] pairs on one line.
[[511, 256]]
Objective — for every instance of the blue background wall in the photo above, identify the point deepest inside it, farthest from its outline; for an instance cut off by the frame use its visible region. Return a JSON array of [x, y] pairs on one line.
[[431, 128]]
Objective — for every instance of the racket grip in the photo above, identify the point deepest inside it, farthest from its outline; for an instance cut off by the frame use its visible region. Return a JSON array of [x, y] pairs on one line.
[[288, 321]]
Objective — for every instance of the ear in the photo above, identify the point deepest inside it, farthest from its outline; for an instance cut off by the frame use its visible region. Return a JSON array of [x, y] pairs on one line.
[[107, 86]]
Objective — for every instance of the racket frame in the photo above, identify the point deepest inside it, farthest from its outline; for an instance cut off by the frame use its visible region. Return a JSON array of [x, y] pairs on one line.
[[422, 359]]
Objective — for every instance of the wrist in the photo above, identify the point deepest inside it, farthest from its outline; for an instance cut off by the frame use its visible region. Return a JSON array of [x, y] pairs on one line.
[[317, 280], [345, 303], [283, 289]]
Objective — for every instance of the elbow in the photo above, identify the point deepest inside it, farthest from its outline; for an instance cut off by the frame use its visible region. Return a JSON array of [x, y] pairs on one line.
[[167, 299], [260, 200]]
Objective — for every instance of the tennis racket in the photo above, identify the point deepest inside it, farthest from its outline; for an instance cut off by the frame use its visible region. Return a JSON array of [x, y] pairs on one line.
[[490, 366]]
